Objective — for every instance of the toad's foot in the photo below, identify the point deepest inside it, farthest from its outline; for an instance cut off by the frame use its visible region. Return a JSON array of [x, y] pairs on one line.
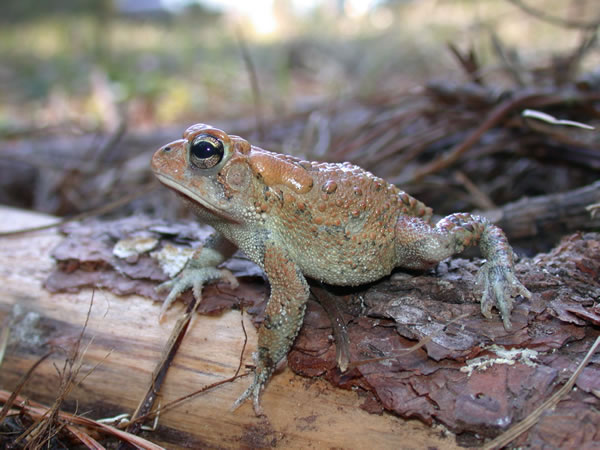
[[193, 277], [499, 285], [261, 377]]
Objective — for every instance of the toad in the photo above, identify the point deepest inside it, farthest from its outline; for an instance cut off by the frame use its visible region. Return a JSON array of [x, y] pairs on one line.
[[332, 222]]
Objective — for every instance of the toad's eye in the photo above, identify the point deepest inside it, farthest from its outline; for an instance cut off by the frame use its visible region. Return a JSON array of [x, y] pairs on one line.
[[206, 151]]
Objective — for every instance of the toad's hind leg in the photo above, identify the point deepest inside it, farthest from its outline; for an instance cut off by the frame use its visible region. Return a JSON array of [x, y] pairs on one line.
[[420, 245]]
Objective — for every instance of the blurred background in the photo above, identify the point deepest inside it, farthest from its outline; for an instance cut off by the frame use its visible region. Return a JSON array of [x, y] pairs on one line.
[[175, 61], [89, 89]]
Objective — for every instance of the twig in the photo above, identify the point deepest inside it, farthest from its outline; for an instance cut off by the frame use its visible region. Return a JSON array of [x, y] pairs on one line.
[[495, 116], [256, 96], [559, 21], [181, 400], [509, 61], [513, 432], [37, 411], [160, 372], [85, 439], [143, 190], [480, 198], [45, 427], [4, 335], [468, 62], [112, 140], [566, 68], [245, 341], [531, 98], [20, 385], [185, 398]]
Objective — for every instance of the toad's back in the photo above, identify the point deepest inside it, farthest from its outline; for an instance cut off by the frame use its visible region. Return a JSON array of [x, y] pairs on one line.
[[342, 230]]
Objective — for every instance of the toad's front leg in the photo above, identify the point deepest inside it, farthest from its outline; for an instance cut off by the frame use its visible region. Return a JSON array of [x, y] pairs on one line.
[[199, 270], [283, 319]]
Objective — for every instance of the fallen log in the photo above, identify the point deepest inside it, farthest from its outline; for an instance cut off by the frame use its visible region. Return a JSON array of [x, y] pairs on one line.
[[123, 343]]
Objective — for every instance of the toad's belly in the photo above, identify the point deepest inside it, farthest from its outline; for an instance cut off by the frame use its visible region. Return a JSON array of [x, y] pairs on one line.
[[344, 261]]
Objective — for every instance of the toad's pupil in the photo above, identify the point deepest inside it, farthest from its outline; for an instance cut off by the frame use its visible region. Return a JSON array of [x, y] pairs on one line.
[[204, 149]]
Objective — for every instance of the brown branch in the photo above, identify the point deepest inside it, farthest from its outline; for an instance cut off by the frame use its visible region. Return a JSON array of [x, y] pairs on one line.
[[529, 98], [494, 117]]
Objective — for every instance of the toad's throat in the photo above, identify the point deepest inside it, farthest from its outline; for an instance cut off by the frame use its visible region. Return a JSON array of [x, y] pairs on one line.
[[190, 195]]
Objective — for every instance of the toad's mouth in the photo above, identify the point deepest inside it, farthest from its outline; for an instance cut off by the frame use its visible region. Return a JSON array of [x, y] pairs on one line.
[[195, 198]]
